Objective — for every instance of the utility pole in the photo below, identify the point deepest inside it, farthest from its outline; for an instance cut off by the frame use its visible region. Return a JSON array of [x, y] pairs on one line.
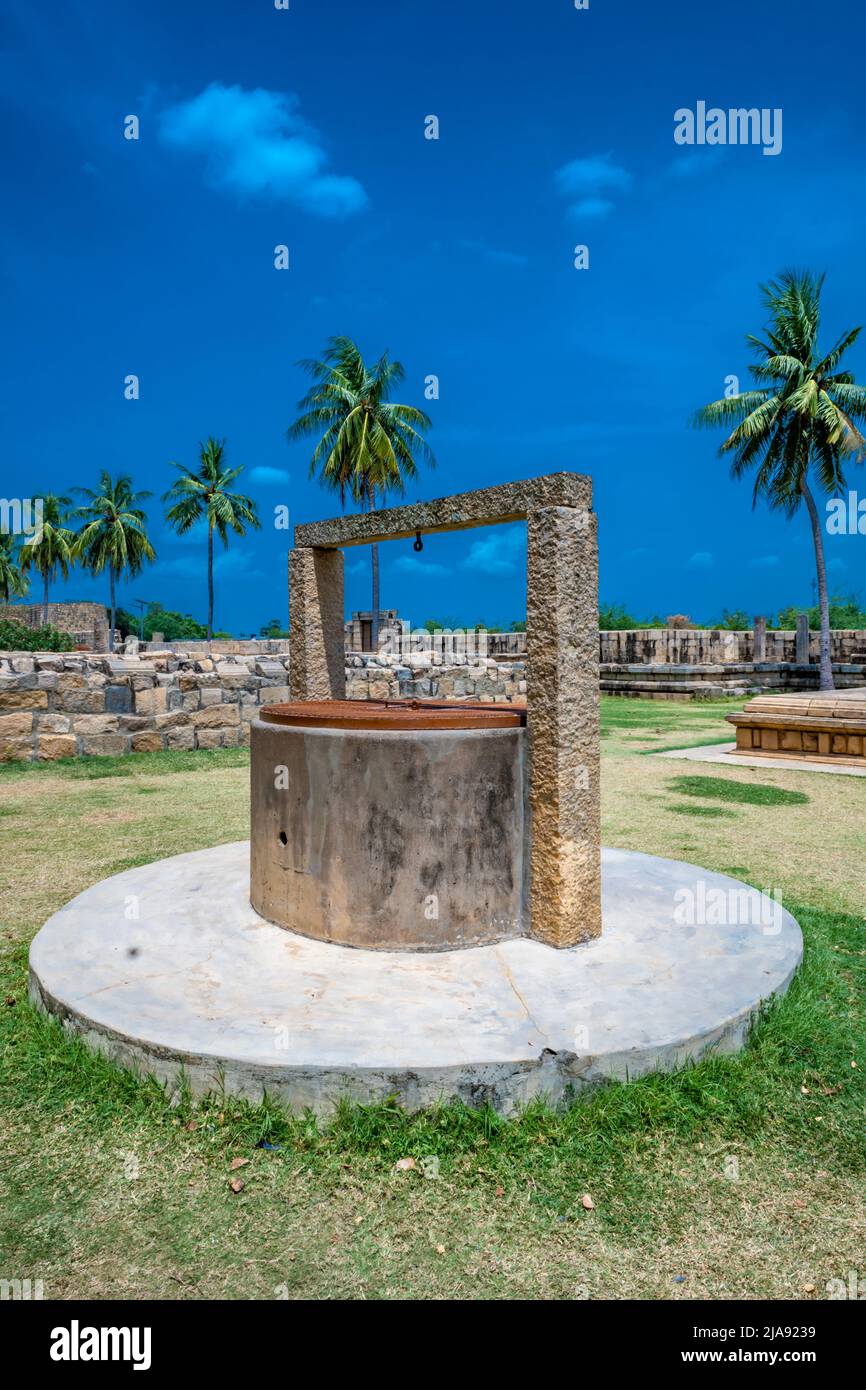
[[142, 604]]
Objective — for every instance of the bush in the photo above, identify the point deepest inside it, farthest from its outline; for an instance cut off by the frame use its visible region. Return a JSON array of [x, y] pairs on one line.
[[846, 611], [16, 637]]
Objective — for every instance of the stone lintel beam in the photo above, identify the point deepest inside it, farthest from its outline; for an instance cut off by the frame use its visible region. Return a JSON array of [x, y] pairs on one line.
[[563, 723], [317, 660], [487, 507]]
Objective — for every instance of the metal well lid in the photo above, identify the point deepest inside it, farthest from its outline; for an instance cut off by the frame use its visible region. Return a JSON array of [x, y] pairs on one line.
[[407, 715]]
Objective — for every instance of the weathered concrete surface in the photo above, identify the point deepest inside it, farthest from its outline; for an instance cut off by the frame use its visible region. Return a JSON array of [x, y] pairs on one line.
[[389, 840], [563, 721], [486, 507], [199, 981], [317, 665]]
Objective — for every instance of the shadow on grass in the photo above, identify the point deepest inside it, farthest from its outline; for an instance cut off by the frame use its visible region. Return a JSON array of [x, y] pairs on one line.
[[751, 793]]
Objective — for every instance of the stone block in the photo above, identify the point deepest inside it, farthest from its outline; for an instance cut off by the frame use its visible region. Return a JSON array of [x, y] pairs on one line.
[[71, 680], [219, 716], [104, 745], [95, 724], [180, 738], [53, 723], [16, 725], [150, 701], [274, 694], [23, 700], [13, 749], [149, 742], [80, 701], [118, 699], [175, 719], [51, 746], [211, 695], [209, 738]]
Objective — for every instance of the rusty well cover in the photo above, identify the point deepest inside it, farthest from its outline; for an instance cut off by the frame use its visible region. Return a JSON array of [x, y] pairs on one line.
[[393, 714]]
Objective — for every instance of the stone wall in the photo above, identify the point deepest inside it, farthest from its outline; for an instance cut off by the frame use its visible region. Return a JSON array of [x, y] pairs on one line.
[[87, 623], [629, 647], [423, 675], [56, 705], [710, 647]]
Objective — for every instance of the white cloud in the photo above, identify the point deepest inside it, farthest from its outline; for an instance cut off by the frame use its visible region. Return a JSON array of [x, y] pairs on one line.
[[256, 144], [701, 560], [498, 553], [588, 182], [275, 477], [409, 564]]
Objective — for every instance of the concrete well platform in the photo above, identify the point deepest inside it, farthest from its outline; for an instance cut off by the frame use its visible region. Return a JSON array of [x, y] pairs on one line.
[[168, 967]]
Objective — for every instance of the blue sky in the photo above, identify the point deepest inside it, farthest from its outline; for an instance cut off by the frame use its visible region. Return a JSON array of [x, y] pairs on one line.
[[305, 127]]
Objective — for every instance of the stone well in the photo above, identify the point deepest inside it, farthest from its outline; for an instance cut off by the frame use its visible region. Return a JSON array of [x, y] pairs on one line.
[[392, 826]]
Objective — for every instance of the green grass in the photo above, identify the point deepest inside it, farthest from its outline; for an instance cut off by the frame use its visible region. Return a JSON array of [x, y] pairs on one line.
[[130, 764], [723, 790], [109, 1189]]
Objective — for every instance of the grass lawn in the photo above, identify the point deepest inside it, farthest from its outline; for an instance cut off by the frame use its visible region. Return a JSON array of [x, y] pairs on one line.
[[740, 1177]]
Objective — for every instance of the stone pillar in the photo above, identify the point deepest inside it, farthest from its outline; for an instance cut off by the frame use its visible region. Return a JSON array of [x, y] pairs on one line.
[[317, 658], [801, 655], [759, 652], [563, 721]]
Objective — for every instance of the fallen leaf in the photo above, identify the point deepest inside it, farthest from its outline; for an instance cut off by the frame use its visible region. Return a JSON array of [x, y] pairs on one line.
[[440, 1249], [500, 1191], [238, 1163], [587, 1202], [403, 1163], [804, 1090], [192, 1125], [808, 1288], [237, 1184]]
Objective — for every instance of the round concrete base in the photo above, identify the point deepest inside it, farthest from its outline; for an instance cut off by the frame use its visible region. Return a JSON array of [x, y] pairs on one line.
[[167, 968]]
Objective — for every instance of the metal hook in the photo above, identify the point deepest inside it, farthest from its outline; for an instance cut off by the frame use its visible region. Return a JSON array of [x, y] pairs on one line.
[[418, 544]]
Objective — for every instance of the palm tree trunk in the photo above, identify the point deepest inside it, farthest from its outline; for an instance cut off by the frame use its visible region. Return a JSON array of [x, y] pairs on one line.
[[209, 582], [374, 558], [375, 562], [825, 679], [45, 598], [113, 607]]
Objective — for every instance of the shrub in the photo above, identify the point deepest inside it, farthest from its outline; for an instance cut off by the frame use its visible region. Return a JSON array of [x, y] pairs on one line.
[[16, 637]]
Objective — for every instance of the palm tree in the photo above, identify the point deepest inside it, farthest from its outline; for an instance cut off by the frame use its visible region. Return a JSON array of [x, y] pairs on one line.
[[796, 428], [113, 533], [51, 550], [206, 495], [367, 443], [13, 580]]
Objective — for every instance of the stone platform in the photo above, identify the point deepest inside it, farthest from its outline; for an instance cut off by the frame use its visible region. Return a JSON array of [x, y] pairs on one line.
[[167, 968], [827, 727]]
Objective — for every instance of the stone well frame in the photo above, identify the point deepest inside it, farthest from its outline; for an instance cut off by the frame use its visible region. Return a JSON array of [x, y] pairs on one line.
[[562, 656]]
